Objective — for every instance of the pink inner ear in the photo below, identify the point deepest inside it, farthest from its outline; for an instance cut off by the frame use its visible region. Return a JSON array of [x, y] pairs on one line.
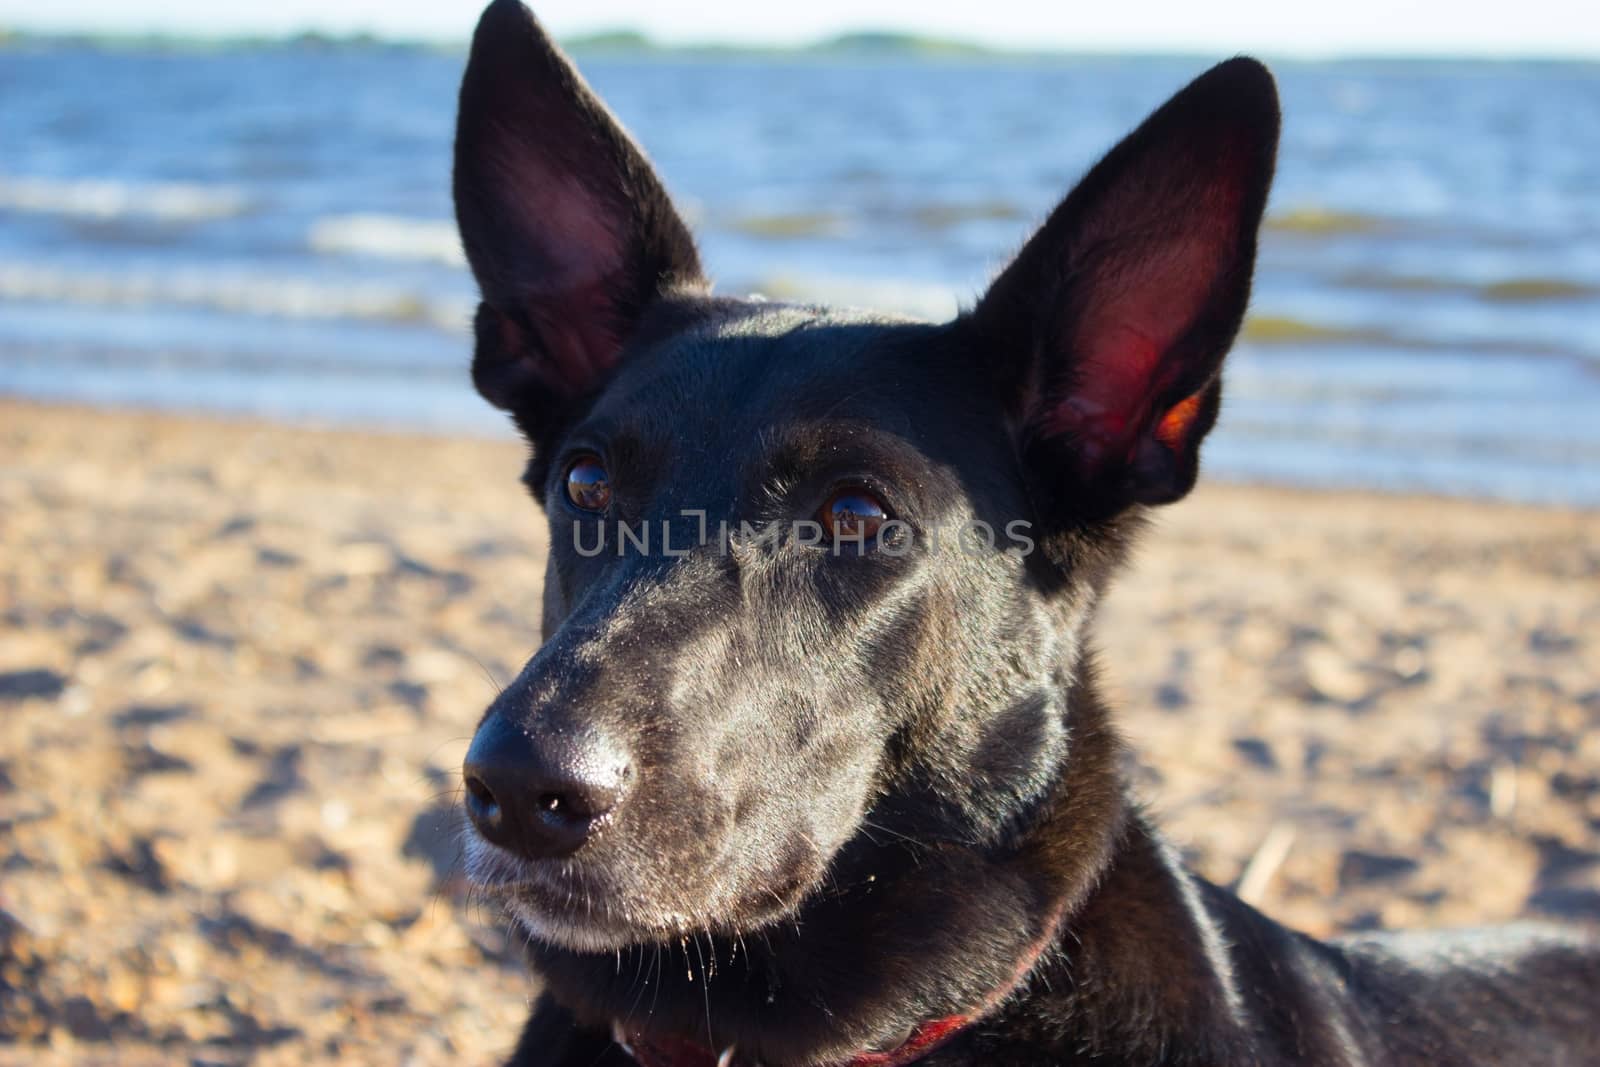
[[571, 230], [579, 346], [1147, 279], [575, 255]]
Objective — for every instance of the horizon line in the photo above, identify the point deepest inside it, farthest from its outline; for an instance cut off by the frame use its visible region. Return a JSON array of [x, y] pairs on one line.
[[860, 42]]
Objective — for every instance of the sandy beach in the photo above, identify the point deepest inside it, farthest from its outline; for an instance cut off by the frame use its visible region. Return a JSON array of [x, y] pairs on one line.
[[240, 664]]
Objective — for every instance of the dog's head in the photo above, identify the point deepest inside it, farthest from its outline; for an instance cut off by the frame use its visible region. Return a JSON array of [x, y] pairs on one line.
[[816, 579]]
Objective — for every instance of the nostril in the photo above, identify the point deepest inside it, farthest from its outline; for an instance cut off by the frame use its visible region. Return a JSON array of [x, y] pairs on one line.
[[481, 803], [578, 802]]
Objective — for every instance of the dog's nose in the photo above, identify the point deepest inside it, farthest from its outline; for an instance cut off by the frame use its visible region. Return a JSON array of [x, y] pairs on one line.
[[541, 796]]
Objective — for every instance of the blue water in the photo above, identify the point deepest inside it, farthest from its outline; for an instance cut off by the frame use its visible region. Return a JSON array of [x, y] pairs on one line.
[[268, 231]]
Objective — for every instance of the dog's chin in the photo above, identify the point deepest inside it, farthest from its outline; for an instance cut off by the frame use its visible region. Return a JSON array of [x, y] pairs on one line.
[[559, 904], [566, 931]]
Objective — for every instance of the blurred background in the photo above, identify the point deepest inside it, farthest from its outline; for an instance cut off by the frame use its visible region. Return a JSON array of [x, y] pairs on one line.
[[241, 657], [246, 208]]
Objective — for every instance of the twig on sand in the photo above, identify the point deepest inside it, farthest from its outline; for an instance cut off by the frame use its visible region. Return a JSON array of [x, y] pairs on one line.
[[1263, 866], [1503, 789]]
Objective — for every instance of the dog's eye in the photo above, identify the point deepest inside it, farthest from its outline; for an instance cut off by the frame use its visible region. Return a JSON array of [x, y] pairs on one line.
[[852, 514], [588, 484]]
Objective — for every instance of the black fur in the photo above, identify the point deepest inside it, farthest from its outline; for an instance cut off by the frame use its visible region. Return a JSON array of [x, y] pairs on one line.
[[861, 784]]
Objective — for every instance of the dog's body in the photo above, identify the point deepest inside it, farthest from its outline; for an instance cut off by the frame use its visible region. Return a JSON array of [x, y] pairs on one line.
[[804, 802]]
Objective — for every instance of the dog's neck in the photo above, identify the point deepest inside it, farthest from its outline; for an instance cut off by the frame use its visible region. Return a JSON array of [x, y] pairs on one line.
[[880, 957], [651, 1051], [647, 1051]]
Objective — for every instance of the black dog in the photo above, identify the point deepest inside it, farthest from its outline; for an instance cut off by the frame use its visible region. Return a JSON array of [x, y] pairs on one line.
[[811, 769]]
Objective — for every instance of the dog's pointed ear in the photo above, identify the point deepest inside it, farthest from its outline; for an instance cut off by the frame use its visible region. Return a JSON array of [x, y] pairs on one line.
[[569, 232], [1110, 326]]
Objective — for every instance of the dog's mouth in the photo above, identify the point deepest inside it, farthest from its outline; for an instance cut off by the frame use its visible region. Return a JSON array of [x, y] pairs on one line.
[[588, 906], [681, 846]]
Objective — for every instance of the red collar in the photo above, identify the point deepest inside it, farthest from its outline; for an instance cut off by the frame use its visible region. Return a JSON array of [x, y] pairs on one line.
[[676, 1052]]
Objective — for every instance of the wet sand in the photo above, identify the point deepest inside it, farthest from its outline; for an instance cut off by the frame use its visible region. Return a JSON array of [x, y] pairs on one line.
[[240, 664]]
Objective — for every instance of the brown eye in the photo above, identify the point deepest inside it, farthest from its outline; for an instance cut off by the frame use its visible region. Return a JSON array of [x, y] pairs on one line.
[[853, 514], [588, 484]]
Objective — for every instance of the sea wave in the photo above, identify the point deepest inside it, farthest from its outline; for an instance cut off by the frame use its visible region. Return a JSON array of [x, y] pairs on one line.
[[1324, 222], [294, 298], [933, 216], [1288, 332], [922, 300], [790, 225], [947, 214], [1269, 329], [388, 237], [1508, 290], [98, 198]]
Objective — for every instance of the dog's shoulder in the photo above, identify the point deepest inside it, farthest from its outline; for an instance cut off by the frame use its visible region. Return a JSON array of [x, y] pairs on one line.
[[1508, 994]]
